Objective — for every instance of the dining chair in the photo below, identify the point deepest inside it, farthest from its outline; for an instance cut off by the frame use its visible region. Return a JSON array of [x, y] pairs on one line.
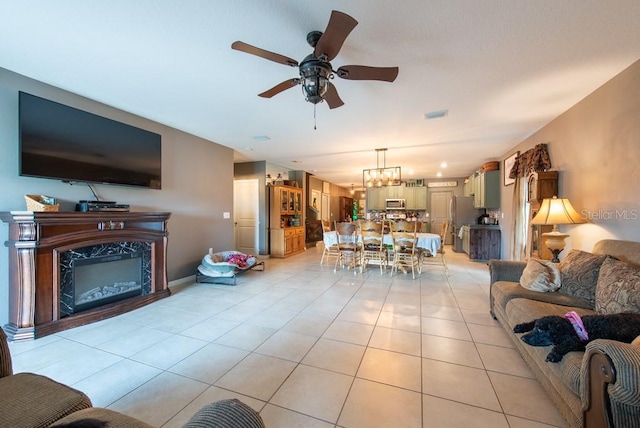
[[373, 249], [330, 244], [406, 253], [348, 247], [403, 226], [370, 225], [438, 258]]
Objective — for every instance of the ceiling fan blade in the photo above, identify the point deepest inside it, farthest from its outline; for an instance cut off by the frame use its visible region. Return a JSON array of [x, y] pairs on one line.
[[279, 88], [339, 26], [363, 72], [332, 98], [271, 56]]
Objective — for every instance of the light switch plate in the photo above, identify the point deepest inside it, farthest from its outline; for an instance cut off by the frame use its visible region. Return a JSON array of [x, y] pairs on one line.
[[226, 214]]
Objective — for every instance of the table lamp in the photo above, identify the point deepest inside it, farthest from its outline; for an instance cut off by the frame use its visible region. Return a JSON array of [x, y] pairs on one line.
[[555, 211]]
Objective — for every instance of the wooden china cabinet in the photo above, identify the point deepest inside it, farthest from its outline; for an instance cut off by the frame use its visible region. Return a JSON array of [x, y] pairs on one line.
[[540, 185], [285, 221]]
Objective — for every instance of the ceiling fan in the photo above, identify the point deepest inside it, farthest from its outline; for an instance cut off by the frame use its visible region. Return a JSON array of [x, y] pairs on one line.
[[315, 69]]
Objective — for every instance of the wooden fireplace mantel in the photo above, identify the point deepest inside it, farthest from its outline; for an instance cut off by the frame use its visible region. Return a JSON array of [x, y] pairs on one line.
[[35, 241]]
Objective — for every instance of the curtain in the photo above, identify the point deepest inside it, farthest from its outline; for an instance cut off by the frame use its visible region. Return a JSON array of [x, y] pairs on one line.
[[533, 160], [519, 220]]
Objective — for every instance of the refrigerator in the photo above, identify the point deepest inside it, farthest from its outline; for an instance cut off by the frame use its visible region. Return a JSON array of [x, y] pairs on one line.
[[461, 213]]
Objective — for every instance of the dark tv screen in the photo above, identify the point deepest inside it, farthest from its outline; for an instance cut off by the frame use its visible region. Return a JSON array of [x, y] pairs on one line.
[[64, 143]]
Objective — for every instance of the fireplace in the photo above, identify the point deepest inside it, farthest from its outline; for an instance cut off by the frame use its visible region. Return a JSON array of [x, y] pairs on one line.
[[55, 257], [100, 274]]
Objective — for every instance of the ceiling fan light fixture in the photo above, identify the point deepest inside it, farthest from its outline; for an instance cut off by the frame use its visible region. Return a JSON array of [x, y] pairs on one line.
[[315, 79], [315, 70]]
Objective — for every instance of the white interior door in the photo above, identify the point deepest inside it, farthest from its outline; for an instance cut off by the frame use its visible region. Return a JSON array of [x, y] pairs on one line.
[[440, 201], [325, 208], [245, 215]]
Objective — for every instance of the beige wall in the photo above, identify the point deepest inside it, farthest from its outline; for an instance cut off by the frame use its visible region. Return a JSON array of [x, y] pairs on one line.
[[197, 181], [596, 147]]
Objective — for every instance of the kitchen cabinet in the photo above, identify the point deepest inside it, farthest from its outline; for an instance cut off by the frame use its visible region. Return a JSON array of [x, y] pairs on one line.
[[395, 192], [484, 242], [486, 189], [540, 185], [375, 198], [416, 198], [467, 188], [286, 232]]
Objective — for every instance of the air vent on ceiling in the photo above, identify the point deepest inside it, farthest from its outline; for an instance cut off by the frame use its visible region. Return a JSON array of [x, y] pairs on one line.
[[436, 114]]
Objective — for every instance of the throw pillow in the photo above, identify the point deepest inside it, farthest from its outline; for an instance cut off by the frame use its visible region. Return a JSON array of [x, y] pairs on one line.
[[540, 275], [579, 274], [618, 288]]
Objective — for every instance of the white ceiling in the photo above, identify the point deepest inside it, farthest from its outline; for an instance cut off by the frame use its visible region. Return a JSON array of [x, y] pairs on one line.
[[502, 68]]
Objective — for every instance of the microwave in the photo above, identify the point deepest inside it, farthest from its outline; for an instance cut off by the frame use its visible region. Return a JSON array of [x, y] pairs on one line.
[[395, 204]]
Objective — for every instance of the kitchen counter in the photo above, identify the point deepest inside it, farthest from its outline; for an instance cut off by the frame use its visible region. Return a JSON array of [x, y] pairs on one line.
[[485, 226]]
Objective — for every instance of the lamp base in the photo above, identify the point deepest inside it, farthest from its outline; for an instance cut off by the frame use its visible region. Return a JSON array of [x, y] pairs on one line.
[[555, 253], [554, 241]]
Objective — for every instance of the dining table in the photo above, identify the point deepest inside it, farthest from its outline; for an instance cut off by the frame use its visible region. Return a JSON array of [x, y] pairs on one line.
[[427, 241]]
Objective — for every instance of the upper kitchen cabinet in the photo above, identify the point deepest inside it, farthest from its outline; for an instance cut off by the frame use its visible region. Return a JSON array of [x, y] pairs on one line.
[[467, 188], [395, 192], [416, 198], [376, 197], [486, 187]]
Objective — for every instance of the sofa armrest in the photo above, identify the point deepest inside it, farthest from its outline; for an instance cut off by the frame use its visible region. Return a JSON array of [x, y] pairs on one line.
[[228, 413], [505, 270], [609, 383]]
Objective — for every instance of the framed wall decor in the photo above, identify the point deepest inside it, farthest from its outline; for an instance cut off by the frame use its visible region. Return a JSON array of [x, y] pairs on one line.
[[315, 201], [508, 164]]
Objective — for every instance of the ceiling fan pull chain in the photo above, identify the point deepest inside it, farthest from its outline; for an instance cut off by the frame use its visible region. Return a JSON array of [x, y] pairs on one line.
[[314, 117]]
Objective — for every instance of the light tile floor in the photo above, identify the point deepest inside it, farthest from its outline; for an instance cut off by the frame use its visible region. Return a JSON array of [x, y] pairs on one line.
[[308, 347]]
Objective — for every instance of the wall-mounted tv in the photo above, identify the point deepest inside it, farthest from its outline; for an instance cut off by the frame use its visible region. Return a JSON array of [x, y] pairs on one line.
[[64, 143]]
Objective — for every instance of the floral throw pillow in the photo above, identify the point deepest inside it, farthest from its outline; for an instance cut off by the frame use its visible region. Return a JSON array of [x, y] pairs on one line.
[[618, 288], [540, 275], [579, 272]]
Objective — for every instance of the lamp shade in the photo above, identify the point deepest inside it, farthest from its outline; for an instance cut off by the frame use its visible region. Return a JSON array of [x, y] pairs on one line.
[[557, 211]]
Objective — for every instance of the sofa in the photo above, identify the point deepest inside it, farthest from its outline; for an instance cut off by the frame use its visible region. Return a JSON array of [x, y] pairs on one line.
[[598, 387], [31, 401]]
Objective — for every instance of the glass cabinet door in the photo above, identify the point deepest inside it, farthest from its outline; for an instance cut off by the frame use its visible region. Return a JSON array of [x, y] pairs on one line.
[[298, 202], [284, 198], [292, 201]]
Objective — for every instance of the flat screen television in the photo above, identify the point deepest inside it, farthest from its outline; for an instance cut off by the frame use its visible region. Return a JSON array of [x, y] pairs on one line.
[[64, 143]]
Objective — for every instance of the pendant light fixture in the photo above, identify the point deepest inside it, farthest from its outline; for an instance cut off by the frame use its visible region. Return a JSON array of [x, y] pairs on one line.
[[381, 176]]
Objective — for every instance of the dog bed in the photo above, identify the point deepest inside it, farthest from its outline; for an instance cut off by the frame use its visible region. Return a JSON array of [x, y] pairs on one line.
[[224, 266]]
